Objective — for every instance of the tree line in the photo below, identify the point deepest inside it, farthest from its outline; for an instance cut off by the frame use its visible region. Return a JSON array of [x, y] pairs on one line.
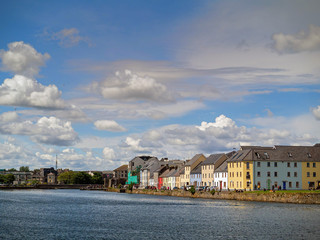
[[72, 177]]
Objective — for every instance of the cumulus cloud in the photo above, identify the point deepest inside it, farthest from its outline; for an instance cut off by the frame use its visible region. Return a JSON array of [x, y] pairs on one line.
[[23, 59], [26, 92], [67, 37], [302, 41], [8, 117], [109, 125], [316, 112], [130, 86], [108, 153], [52, 131]]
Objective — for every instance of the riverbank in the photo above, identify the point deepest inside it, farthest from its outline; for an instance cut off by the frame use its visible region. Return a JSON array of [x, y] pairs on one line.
[[298, 197], [56, 186]]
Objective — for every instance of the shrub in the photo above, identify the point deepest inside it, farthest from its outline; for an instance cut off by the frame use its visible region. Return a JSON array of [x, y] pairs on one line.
[[130, 187], [213, 192], [192, 190]]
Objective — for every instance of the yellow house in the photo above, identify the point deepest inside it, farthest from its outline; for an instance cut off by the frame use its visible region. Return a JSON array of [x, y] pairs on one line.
[[208, 166], [189, 166], [240, 170]]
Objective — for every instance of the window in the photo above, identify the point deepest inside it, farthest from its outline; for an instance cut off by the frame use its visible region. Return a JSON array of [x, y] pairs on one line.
[[288, 164], [309, 155], [289, 154], [308, 164], [266, 155], [240, 184], [258, 164], [288, 174], [258, 155], [237, 174], [268, 174], [308, 174], [248, 184], [297, 184], [290, 184], [248, 165], [275, 164], [237, 164], [295, 174], [314, 174], [240, 174], [314, 164], [276, 174], [240, 164], [268, 164], [275, 184], [295, 164], [258, 174]]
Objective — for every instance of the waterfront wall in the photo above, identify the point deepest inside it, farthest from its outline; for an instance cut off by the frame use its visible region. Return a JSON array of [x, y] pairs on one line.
[[282, 197]]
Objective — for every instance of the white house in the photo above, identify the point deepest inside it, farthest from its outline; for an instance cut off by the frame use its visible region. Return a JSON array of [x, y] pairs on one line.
[[221, 177]]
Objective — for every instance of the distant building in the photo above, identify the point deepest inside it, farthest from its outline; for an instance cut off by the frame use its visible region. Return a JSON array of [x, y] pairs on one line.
[[52, 178], [120, 175]]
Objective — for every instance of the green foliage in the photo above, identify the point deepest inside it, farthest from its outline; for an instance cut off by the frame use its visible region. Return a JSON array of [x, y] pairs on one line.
[[35, 182], [97, 178], [130, 187], [24, 169], [66, 177], [119, 185], [192, 190], [12, 170], [81, 178], [7, 178], [213, 192]]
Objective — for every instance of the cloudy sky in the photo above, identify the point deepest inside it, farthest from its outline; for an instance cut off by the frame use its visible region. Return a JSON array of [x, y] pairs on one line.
[[96, 83]]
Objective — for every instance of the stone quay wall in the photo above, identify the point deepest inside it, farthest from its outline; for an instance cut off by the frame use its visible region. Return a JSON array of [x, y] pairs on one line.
[[280, 197]]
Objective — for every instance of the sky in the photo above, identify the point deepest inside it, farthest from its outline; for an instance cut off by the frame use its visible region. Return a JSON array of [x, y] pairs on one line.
[[96, 83]]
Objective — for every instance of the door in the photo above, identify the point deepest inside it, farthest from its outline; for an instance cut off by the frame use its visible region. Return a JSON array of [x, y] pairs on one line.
[[220, 185], [284, 185]]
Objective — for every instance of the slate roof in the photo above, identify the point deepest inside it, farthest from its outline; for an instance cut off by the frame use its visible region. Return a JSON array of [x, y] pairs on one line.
[[223, 167], [212, 159], [122, 168], [197, 169], [278, 153], [195, 158]]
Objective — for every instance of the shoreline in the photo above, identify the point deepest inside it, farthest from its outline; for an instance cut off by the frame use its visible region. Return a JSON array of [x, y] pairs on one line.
[[279, 197], [296, 197]]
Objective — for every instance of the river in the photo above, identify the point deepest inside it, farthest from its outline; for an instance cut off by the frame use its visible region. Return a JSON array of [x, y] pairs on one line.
[[75, 214]]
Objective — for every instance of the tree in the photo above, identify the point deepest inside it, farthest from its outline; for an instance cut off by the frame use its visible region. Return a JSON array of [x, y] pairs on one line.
[[81, 178], [1, 178], [12, 170], [9, 178], [66, 177], [97, 178], [24, 169]]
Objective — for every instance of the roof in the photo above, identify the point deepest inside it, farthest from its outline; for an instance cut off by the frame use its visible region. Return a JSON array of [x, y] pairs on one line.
[[278, 153], [165, 173], [194, 159], [197, 169], [212, 159], [121, 168], [223, 167], [179, 171]]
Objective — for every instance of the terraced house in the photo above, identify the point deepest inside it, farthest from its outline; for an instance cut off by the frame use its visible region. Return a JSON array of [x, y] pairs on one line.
[[278, 167], [208, 167], [189, 166]]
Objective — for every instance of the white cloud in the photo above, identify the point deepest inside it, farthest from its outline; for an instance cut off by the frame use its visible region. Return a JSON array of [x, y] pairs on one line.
[[24, 91], [52, 131], [316, 112], [109, 125], [8, 117], [302, 41], [23, 59], [130, 86], [108, 153], [221, 122]]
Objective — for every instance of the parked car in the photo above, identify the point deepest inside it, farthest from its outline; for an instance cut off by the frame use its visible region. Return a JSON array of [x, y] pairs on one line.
[[175, 188], [199, 188], [163, 188], [188, 187]]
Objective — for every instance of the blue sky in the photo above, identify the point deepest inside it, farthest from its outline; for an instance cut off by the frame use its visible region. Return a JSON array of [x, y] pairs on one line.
[[99, 82]]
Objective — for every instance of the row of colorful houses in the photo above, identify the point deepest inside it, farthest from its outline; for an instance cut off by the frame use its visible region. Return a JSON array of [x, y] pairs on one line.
[[250, 168]]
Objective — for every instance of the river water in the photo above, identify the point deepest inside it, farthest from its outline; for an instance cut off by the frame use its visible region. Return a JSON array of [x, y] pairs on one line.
[[75, 214]]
